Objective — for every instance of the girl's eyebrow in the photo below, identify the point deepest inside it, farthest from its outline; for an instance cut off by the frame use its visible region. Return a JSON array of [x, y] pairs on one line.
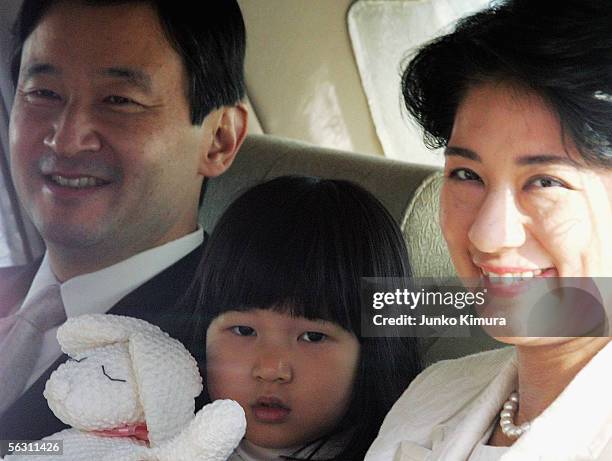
[[231, 314], [318, 321]]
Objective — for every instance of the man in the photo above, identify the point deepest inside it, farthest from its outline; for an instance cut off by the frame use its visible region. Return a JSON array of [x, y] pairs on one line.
[[122, 108]]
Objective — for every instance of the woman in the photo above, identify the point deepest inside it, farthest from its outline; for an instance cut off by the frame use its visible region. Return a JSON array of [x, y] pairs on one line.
[[520, 97]]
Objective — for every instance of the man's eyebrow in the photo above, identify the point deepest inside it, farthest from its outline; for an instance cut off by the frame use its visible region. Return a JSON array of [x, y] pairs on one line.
[[132, 76], [40, 69], [451, 151]]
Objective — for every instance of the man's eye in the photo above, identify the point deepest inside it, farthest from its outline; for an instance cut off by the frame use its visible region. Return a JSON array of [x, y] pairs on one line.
[[242, 330], [119, 100], [313, 336], [42, 95], [464, 174], [546, 181], [45, 94]]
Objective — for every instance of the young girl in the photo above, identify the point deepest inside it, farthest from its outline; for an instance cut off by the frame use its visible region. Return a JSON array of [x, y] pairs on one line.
[[281, 309]]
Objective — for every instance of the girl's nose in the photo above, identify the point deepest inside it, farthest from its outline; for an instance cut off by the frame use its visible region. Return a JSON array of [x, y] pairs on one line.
[[499, 223], [273, 367]]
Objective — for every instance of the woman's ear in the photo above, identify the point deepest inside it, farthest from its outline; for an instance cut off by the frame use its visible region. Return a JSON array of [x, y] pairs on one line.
[[229, 128]]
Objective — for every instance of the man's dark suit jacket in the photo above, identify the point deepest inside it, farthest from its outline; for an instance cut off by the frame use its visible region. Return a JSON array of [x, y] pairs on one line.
[[29, 418]]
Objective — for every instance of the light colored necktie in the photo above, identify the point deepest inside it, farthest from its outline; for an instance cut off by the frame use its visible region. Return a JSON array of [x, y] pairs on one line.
[[20, 345]]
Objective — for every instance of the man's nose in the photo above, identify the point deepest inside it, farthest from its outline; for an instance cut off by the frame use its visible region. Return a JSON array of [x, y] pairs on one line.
[[499, 223], [73, 131], [273, 365]]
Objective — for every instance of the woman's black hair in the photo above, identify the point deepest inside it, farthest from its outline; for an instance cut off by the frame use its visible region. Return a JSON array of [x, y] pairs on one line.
[[561, 51], [301, 245]]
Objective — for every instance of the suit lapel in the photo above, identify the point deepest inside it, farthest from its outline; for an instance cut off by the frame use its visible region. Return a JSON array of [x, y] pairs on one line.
[[167, 301], [164, 301], [29, 418]]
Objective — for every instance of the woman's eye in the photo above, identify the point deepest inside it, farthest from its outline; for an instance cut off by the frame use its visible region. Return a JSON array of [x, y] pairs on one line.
[[464, 174], [546, 181], [313, 336], [242, 330]]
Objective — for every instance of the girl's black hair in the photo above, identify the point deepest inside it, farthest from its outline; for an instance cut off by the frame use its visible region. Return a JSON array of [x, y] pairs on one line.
[[302, 244]]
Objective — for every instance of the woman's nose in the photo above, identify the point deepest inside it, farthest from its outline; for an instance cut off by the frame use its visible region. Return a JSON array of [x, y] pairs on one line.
[[499, 223], [73, 132], [273, 366]]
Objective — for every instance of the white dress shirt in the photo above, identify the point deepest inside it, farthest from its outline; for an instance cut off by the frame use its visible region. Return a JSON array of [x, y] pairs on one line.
[[98, 292], [447, 410]]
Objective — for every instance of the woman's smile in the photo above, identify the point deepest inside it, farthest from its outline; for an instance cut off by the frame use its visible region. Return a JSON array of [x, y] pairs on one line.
[[517, 201]]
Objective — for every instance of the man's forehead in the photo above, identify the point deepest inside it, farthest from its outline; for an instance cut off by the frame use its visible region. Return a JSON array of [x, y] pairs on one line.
[[136, 77], [132, 27], [99, 40]]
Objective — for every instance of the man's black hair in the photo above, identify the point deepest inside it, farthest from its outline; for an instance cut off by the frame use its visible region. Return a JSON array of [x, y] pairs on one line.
[[562, 51], [210, 40]]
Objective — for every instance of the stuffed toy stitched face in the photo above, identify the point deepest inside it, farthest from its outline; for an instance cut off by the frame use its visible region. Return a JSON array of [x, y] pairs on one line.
[[96, 390]]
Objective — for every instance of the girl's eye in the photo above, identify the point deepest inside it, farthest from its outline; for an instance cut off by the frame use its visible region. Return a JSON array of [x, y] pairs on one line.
[[464, 174], [242, 330], [313, 337], [545, 181]]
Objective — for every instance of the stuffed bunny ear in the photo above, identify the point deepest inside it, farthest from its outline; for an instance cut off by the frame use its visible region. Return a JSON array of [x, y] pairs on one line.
[[168, 380], [167, 375], [86, 332]]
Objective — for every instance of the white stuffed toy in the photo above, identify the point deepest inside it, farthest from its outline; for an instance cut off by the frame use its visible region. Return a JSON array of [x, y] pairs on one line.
[[128, 383]]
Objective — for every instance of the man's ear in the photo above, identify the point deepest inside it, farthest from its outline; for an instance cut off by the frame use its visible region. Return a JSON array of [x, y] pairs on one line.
[[229, 128]]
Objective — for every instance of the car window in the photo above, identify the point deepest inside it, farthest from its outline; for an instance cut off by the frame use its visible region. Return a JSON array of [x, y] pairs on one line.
[[383, 34]]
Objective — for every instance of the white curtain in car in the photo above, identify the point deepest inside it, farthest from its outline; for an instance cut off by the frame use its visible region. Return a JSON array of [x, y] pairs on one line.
[[383, 34], [19, 242]]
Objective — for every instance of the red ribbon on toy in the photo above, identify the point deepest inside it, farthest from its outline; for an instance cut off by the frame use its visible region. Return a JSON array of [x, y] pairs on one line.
[[138, 431]]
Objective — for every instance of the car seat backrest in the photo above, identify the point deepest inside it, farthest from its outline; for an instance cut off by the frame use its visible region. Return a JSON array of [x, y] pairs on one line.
[[409, 191]]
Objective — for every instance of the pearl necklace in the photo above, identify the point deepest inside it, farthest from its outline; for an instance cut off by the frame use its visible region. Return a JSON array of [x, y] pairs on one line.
[[506, 418]]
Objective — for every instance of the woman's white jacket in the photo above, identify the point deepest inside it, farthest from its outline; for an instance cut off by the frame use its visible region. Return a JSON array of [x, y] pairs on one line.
[[449, 407]]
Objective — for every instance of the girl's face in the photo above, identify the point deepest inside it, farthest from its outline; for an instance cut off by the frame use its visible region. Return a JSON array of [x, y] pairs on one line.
[[518, 201], [292, 376]]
